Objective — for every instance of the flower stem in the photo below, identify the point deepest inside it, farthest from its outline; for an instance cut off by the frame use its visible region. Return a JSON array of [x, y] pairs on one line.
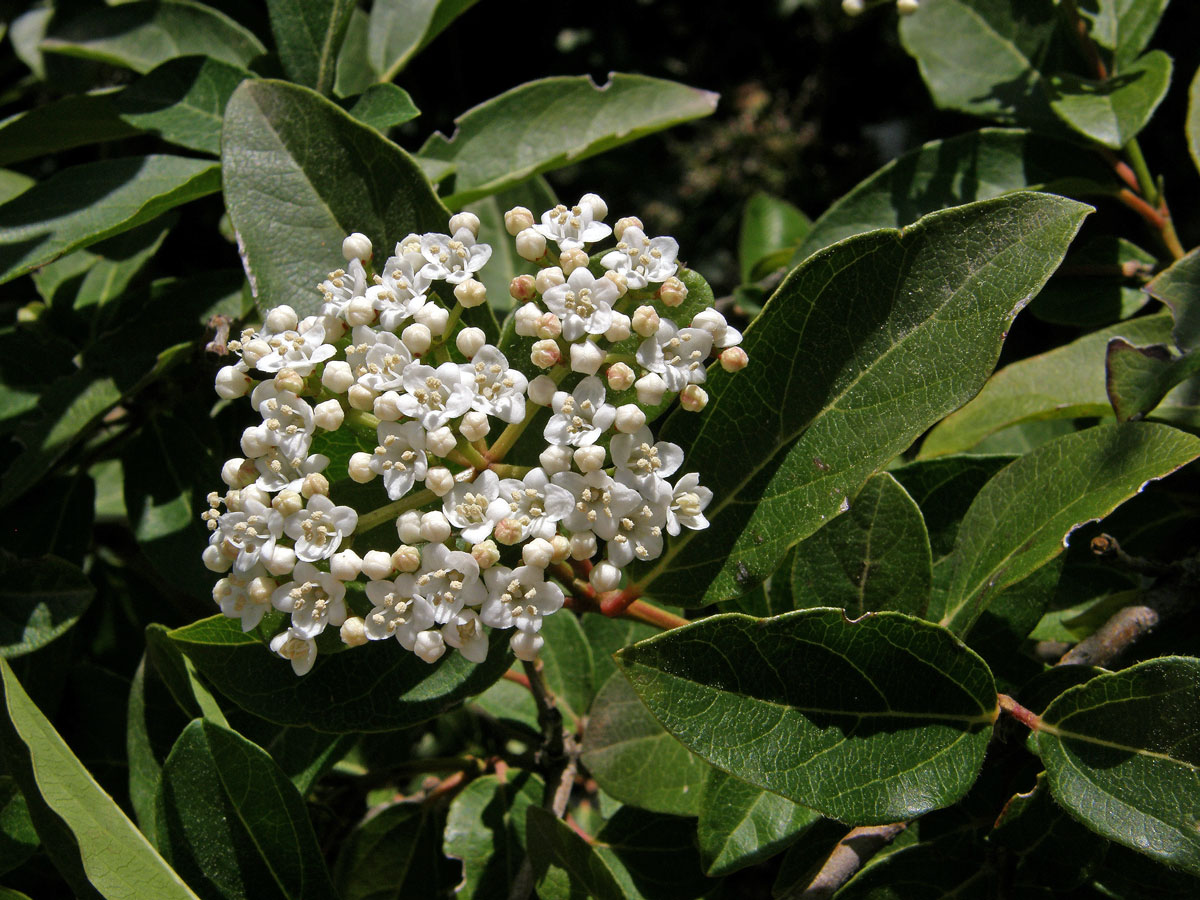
[[1026, 717], [377, 517], [640, 611]]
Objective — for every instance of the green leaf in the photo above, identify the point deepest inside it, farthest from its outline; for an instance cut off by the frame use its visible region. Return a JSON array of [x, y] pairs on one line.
[[486, 830], [875, 557], [94, 846], [989, 65], [60, 125], [179, 676], [1100, 282], [1121, 756], [634, 760], [549, 123], [395, 854], [511, 704], [231, 822], [1066, 382], [398, 30], [300, 174], [371, 688], [142, 35], [182, 101], [931, 305], [870, 721], [354, 73], [40, 599], [566, 866], [978, 165], [567, 658], [18, 837], [384, 106], [308, 35], [741, 825], [1113, 111], [1192, 125], [950, 866], [606, 636], [1138, 378], [943, 489], [25, 33], [13, 184], [88, 203], [1023, 516], [1178, 286], [658, 854], [771, 229], [1123, 27]]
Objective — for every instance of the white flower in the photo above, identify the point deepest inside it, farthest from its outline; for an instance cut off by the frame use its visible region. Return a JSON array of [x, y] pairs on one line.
[[400, 457], [647, 462], [574, 227], [251, 531], [688, 501], [397, 612], [474, 507], [279, 472], [293, 645], [714, 323], [405, 288], [299, 351], [342, 286], [599, 502], [676, 354], [287, 420], [535, 504], [314, 599], [449, 580], [519, 598], [498, 390], [319, 529], [639, 532], [583, 303], [642, 260], [581, 416], [385, 362], [435, 396], [245, 596], [453, 259], [465, 633]]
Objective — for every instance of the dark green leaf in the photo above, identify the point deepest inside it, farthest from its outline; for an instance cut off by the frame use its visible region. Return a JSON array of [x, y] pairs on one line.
[[182, 101], [927, 343], [875, 557], [354, 73], [1021, 518], [1178, 287], [400, 28], [371, 688], [772, 597], [947, 867], [178, 674], [1121, 756], [94, 846], [300, 174], [656, 852], [770, 227], [1113, 111], [1099, 283], [1123, 27], [486, 830], [142, 35], [741, 825], [606, 636], [566, 867], [511, 704], [231, 822], [25, 33], [549, 123], [308, 35], [394, 855], [1126, 875], [944, 488], [70, 122], [1138, 378], [814, 707], [85, 204], [40, 599], [383, 106], [153, 723], [567, 658], [634, 760], [18, 837]]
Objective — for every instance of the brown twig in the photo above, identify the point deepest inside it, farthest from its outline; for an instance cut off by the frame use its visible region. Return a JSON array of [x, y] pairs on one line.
[[851, 852]]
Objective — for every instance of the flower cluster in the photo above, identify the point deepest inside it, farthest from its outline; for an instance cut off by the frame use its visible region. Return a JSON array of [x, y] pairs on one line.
[[479, 542]]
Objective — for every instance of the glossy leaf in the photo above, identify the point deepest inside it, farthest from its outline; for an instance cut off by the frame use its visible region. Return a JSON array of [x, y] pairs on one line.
[[94, 846], [300, 174], [73, 121], [875, 557], [978, 165], [379, 687], [549, 123], [1178, 286], [1066, 382], [39, 600], [398, 29], [486, 830], [771, 228], [634, 760], [815, 415], [1022, 518], [88, 203], [1121, 756], [182, 101], [233, 824], [1113, 111], [394, 855], [741, 825], [1123, 27], [809, 705], [384, 106], [142, 35], [308, 35]]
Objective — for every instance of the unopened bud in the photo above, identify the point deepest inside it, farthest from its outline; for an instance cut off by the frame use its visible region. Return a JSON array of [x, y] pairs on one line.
[[486, 554], [259, 589], [281, 318], [440, 441], [583, 545], [474, 426], [673, 292], [646, 321], [434, 318], [619, 280], [289, 380], [232, 383], [467, 220], [555, 458], [360, 311], [408, 526], [337, 376], [599, 207], [387, 406], [429, 646], [620, 377], [508, 531], [531, 245], [545, 354], [605, 576], [417, 338], [470, 293], [517, 220], [537, 552], [435, 527], [359, 467], [357, 246], [589, 458], [406, 559], [253, 351], [526, 645], [907, 7], [255, 442], [314, 485], [469, 341], [345, 565], [523, 288], [361, 398], [377, 565], [238, 472], [549, 326], [549, 277], [619, 330], [570, 260], [526, 320], [853, 7], [440, 480], [629, 418], [281, 562], [562, 548], [586, 357], [650, 389], [626, 222], [734, 359], [214, 560], [353, 632], [328, 414], [542, 389], [693, 398], [287, 503]]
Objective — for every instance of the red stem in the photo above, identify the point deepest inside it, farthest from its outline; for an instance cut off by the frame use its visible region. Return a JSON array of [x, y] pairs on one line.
[[1026, 717]]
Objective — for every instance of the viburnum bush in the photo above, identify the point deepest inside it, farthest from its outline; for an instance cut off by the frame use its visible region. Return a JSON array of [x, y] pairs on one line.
[[509, 558]]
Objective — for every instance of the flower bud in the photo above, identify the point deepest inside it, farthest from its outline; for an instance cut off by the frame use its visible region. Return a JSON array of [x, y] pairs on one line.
[[555, 458], [255, 493], [673, 292], [531, 245], [646, 321], [474, 426], [650, 389], [734, 359], [387, 406], [345, 565], [435, 527], [626, 222], [406, 558], [570, 260], [562, 548], [853, 7], [470, 293], [508, 531], [620, 377], [361, 398], [541, 390], [337, 376], [522, 288], [238, 472], [586, 357], [232, 383], [357, 246], [281, 562], [907, 7], [630, 418], [583, 545], [279, 319], [693, 398], [469, 341], [417, 338], [289, 380], [551, 276], [259, 589], [526, 319], [549, 326], [590, 458], [359, 467], [255, 442], [377, 565], [440, 480], [328, 414], [599, 207], [408, 526], [429, 646], [619, 329], [353, 632], [537, 552], [486, 554], [619, 280], [605, 576], [432, 317], [253, 351], [287, 503], [314, 484], [441, 441], [214, 560], [526, 645], [517, 220], [360, 311], [545, 354], [467, 220]]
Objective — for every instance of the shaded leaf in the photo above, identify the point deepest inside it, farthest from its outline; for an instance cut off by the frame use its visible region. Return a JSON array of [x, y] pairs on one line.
[[40, 599], [398, 30], [395, 854], [1099, 283], [1123, 27], [944, 488], [1138, 378], [384, 106], [656, 852], [178, 675], [308, 35], [354, 72], [60, 125], [606, 636], [947, 867], [567, 658], [13, 184], [771, 229], [1113, 111], [565, 866], [1178, 286], [18, 837], [485, 829]]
